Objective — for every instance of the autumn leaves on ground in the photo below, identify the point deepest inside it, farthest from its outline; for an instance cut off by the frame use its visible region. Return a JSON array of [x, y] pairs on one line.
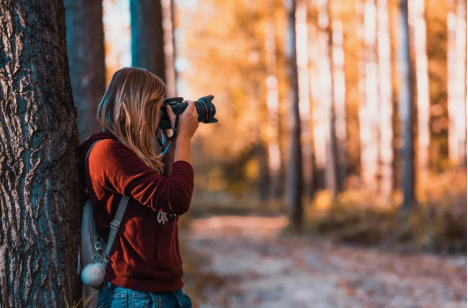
[[248, 261]]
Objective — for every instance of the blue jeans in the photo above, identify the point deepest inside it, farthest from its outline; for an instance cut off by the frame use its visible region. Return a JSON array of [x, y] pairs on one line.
[[113, 296]]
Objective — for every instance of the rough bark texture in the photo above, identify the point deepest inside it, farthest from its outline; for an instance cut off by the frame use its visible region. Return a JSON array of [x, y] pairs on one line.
[[39, 192], [148, 36], [406, 108], [295, 167], [85, 42]]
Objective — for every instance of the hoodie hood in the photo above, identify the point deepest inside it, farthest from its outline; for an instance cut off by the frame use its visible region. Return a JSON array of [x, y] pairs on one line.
[[84, 147]]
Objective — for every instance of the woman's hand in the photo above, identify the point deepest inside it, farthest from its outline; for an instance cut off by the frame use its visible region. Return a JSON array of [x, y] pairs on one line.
[[188, 121], [188, 124]]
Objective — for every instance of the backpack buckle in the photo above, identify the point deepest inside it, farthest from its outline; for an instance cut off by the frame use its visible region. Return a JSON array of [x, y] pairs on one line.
[[115, 225]]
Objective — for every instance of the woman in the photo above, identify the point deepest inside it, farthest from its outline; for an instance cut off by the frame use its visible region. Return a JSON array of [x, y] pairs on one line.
[[145, 269]]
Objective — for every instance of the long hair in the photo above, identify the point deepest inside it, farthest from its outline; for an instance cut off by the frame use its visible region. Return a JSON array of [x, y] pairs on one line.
[[129, 110]]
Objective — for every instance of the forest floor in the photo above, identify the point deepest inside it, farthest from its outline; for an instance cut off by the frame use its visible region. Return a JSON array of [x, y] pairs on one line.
[[247, 261]]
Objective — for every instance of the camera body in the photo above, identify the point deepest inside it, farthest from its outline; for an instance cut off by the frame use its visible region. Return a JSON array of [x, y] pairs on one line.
[[206, 110]]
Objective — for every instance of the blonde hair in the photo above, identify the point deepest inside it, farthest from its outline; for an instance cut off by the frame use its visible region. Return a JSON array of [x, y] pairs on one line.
[[129, 110]]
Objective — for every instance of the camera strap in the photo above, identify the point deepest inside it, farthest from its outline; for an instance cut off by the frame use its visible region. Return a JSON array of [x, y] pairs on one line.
[[165, 148]]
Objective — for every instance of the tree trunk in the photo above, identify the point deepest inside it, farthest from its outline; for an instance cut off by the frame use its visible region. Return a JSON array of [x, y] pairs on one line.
[[85, 42], [456, 62], [320, 100], [303, 88], [394, 13], [169, 46], [385, 100], [295, 168], [339, 93], [352, 49], [39, 190], [406, 108], [318, 158], [437, 42], [326, 125], [272, 100], [368, 119], [422, 85], [146, 21]]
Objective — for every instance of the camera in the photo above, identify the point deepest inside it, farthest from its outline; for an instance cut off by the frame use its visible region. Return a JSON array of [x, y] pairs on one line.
[[206, 110]]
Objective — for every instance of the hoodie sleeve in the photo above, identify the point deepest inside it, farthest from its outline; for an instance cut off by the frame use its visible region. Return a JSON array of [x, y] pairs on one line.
[[117, 168]]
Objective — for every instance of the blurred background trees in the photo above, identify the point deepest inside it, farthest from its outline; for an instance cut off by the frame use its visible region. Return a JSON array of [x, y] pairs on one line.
[[324, 105]]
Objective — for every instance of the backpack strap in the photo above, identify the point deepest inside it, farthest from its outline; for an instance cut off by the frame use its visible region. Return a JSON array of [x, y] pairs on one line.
[[115, 224]]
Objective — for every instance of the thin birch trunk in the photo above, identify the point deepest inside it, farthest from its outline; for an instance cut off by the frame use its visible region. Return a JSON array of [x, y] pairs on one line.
[[272, 100], [385, 100], [456, 65], [422, 84], [369, 126]]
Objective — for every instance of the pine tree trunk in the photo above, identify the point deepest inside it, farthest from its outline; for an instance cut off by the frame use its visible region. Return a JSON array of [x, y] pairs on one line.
[[351, 49], [406, 108], [304, 97], [169, 46], [422, 85], [385, 100], [394, 13], [39, 191], [148, 36], [326, 125], [85, 42], [456, 65], [295, 167], [318, 118], [339, 93], [272, 102], [368, 119], [437, 42]]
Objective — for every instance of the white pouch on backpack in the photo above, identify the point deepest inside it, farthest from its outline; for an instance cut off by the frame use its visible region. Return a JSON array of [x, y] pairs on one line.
[[94, 252]]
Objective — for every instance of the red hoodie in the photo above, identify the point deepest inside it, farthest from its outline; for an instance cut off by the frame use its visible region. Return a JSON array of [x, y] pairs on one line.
[[145, 255]]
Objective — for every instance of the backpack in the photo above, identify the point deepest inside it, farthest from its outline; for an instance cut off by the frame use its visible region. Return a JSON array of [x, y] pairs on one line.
[[94, 252]]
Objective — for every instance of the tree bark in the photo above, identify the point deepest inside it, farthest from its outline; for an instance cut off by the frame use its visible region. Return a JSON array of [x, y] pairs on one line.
[[385, 101], [304, 97], [456, 65], [339, 93], [169, 46], [272, 102], [436, 16], [422, 85], [406, 108], [295, 168], [318, 152], [85, 42], [148, 36], [352, 49], [326, 117], [368, 115], [39, 190]]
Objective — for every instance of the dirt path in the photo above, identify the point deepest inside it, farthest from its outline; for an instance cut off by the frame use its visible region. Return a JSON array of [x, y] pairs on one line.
[[244, 262]]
